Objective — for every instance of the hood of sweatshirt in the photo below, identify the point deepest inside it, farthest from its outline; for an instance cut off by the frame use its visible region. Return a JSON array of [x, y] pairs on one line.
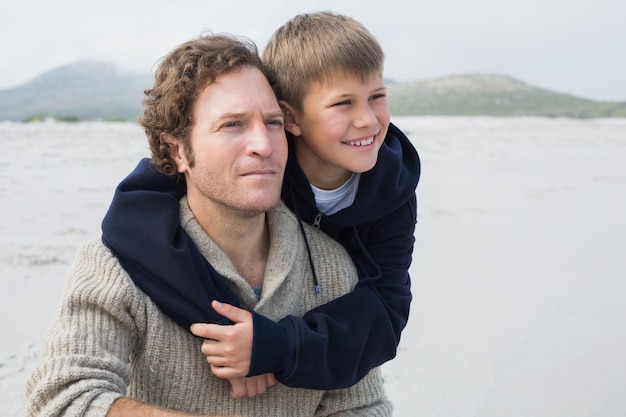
[[382, 190]]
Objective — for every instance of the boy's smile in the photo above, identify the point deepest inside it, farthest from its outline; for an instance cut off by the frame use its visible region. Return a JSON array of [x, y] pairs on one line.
[[361, 142]]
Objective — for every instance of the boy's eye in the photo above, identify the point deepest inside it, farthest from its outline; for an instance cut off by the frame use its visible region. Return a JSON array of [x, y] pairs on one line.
[[377, 96], [342, 103]]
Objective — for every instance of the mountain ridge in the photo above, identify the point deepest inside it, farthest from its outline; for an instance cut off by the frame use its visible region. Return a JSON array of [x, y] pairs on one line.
[[86, 90], [82, 90], [492, 95]]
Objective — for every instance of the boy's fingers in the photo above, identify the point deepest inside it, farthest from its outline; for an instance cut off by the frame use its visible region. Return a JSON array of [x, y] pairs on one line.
[[202, 330], [210, 332], [271, 380], [234, 314], [237, 388]]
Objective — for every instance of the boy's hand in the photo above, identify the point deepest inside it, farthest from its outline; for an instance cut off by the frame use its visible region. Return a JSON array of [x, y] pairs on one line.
[[228, 348], [251, 387]]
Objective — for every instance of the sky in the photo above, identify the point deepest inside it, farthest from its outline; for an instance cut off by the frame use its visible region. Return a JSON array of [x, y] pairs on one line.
[[576, 47]]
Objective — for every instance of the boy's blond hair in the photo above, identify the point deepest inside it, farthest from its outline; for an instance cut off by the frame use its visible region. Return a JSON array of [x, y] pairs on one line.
[[314, 47]]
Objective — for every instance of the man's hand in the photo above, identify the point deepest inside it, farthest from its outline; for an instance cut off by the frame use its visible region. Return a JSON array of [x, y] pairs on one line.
[[228, 348], [252, 386], [128, 407]]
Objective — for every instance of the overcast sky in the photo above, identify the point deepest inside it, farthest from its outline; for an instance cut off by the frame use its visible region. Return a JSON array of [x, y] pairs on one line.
[[576, 46]]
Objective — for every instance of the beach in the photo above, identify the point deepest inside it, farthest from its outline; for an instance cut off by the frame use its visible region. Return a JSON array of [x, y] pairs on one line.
[[518, 269]]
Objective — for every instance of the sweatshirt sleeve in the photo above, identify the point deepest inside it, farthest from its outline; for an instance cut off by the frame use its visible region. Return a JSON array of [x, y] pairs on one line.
[[331, 347], [364, 399], [334, 345], [142, 228], [338, 343]]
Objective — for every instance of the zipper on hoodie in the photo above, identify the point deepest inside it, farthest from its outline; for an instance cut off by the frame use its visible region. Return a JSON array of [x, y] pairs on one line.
[[318, 220]]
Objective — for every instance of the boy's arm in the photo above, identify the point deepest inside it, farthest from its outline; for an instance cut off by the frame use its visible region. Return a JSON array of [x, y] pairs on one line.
[[336, 344], [332, 346], [366, 398], [142, 227]]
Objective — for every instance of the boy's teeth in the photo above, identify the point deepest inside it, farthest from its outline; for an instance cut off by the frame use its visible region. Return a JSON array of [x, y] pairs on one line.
[[363, 142]]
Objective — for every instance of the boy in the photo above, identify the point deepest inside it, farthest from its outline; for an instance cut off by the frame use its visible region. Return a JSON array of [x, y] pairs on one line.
[[350, 172]]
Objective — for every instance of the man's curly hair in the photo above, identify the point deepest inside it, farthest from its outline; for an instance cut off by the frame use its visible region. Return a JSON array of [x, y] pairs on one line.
[[180, 79]]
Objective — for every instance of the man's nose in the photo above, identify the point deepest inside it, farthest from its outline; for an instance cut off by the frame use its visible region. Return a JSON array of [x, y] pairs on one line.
[[260, 140]]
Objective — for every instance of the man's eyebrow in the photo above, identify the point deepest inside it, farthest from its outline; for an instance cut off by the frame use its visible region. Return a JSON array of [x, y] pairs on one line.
[[277, 113], [232, 115]]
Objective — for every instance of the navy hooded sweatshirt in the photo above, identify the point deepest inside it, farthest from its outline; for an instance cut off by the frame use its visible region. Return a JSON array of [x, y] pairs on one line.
[[332, 346]]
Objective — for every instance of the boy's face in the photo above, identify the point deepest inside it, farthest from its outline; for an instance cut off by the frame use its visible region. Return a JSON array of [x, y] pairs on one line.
[[340, 129]]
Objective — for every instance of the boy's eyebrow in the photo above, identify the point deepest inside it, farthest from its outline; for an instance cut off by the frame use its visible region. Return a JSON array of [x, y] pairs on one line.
[[348, 95]]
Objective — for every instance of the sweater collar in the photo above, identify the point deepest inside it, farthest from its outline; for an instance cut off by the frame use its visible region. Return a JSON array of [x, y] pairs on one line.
[[283, 273]]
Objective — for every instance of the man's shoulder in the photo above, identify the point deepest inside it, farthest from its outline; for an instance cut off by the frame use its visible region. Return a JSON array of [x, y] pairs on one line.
[[96, 274], [95, 265], [95, 251]]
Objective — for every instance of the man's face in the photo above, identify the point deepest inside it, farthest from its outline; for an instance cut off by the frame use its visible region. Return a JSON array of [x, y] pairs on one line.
[[239, 145]]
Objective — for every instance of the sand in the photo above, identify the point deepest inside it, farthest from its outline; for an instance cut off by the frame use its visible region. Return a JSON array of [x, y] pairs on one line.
[[518, 272]]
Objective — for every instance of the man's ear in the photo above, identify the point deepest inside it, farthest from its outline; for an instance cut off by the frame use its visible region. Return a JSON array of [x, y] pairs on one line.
[[291, 118], [175, 150]]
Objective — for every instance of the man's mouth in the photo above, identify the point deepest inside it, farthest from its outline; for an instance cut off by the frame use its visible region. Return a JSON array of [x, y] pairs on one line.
[[259, 172]]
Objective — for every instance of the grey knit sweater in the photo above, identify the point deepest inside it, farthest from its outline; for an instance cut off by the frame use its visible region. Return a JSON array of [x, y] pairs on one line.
[[109, 339]]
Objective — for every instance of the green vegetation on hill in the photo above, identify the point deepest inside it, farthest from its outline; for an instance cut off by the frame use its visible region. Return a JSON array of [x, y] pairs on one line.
[[491, 95]]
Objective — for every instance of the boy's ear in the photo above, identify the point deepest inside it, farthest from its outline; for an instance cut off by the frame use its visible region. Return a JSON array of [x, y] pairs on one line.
[[174, 148], [291, 118]]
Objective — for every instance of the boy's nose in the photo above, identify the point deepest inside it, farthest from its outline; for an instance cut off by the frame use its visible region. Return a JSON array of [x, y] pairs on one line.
[[365, 116]]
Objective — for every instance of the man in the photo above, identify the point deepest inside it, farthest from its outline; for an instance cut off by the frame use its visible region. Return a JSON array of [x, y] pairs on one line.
[[212, 118]]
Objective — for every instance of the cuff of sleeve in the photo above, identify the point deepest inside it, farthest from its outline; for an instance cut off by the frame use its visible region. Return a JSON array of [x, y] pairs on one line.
[[101, 404], [273, 348]]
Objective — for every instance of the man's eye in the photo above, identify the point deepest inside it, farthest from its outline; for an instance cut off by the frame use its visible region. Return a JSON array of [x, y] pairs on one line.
[[275, 122]]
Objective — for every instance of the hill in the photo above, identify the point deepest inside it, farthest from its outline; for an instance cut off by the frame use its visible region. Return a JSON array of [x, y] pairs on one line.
[[492, 95], [100, 90], [82, 90]]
